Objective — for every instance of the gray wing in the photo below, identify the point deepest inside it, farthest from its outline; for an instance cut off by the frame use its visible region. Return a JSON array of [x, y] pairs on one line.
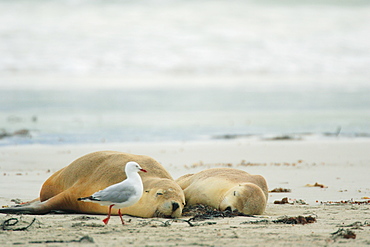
[[117, 194]]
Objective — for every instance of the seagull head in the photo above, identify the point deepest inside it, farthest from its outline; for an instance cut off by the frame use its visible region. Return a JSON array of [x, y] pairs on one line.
[[133, 167]]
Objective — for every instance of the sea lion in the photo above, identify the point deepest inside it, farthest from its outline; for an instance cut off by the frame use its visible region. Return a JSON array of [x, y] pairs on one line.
[[162, 196], [226, 189]]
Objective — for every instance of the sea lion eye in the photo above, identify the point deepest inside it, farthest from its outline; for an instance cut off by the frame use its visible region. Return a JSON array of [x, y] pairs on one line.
[[160, 192]]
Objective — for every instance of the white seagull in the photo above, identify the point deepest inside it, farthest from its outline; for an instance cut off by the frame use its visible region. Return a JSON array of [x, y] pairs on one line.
[[120, 195]]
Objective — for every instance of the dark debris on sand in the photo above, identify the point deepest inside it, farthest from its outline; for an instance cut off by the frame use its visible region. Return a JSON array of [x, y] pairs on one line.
[[293, 220], [9, 225], [283, 201], [296, 220], [204, 212], [343, 233], [280, 190]]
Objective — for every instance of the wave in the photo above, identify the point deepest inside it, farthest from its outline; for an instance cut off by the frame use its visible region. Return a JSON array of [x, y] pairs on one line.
[[185, 38]]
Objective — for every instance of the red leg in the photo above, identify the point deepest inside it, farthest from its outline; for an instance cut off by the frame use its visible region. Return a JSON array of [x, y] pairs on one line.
[[120, 215], [106, 220]]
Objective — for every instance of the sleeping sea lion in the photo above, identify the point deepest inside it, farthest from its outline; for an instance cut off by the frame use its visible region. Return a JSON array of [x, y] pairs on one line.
[[162, 196], [226, 189]]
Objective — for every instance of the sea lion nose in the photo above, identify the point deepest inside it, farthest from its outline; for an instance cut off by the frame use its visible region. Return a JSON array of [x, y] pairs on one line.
[[175, 206]]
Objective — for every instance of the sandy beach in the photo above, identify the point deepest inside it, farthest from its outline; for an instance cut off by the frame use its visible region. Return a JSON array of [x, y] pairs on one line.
[[341, 166], [275, 88]]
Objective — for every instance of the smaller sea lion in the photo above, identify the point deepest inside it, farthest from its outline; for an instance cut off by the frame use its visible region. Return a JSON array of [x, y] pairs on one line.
[[226, 189]]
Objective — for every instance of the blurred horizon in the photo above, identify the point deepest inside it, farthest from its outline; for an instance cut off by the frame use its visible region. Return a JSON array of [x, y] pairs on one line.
[[323, 42]]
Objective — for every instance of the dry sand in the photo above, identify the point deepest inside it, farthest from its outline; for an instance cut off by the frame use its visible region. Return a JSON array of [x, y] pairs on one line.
[[342, 166]]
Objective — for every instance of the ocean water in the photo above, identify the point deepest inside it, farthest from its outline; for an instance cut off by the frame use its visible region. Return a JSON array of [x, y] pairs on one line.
[[59, 117], [80, 71]]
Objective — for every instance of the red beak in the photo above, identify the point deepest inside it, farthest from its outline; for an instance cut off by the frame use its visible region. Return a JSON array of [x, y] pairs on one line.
[[143, 170]]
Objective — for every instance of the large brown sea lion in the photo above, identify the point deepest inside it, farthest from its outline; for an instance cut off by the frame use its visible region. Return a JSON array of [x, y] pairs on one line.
[[226, 189], [162, 196]]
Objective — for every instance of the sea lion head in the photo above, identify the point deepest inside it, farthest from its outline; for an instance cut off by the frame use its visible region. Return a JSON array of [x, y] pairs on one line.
[[167, 197], [247, 198]]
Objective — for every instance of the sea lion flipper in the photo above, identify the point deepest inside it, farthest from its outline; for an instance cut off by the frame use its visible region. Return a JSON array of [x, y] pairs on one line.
[[35, 207]]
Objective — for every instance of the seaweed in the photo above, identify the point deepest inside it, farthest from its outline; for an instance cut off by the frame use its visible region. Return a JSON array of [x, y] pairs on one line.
[[350, 202], [280, 190], [293, 220], [343, 233], [303, 220], [8, 224], [204, 212], [84, 239], [316, 185], [283, 201]]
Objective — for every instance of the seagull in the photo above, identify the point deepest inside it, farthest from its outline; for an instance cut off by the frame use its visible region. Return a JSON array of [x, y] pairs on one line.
[[120, 195]]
